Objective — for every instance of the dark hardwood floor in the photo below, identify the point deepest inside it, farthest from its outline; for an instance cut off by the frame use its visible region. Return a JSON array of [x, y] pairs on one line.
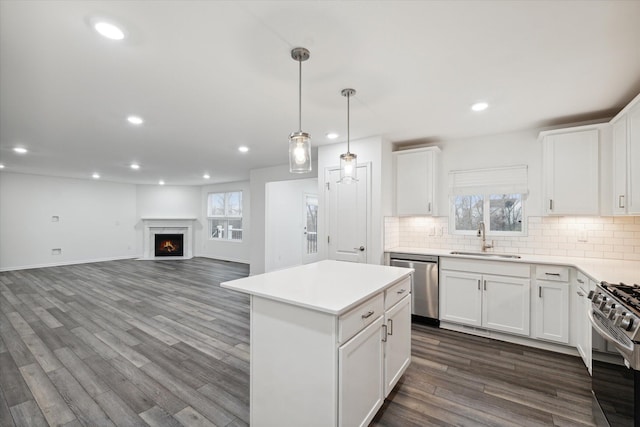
[[132, 343]]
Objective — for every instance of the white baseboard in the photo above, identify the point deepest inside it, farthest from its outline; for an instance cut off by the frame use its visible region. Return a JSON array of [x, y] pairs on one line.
[[239, 261], [58, 264]]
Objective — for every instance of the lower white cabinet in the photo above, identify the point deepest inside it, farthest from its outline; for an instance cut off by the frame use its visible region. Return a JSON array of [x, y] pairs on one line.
[[397, 352], [552, 303], [581, 318], [360, 376], [489, 301]]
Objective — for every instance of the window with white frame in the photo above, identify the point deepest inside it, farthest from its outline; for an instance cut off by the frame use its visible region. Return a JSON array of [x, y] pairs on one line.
[[495, 197], [224, 211]]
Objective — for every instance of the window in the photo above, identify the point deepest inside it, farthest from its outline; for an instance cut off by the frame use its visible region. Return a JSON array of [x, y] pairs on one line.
[[501, 213], [494, 196], [224, 211]]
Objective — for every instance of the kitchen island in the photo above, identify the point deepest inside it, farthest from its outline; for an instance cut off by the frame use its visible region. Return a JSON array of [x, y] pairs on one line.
[[329, 341]]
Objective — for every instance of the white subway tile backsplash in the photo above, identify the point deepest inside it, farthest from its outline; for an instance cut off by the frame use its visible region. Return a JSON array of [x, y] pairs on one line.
[[607, 237]]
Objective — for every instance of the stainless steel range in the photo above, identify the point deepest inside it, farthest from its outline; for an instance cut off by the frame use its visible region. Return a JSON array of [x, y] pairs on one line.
[[615, 321]]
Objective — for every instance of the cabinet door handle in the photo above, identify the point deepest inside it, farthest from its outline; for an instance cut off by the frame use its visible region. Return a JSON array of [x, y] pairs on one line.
[[580, 281], [390, 327], [369, 314], [552, 274], [485, 285], [479, 285], [621, 201], [429, 207], [384, 333], [550, 204], [539, 291], [401, 291]]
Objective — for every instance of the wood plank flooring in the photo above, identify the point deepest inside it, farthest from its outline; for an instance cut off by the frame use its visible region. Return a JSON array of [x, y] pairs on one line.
[[159, 343]]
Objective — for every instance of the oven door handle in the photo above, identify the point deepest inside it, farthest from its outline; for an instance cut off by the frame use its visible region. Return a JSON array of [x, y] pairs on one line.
[[625, 350]]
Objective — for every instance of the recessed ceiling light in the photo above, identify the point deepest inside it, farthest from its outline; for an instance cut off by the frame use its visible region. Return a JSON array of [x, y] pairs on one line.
[[243, 149], [1, 166], [135, 166], [206, 176], [479, 106], [20, 150], [95, 175], [135, 120], [108, 30], [161, 182], [332, 135]]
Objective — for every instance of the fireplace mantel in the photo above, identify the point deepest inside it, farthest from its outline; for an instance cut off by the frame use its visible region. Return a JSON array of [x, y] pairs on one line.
[[167, 225]]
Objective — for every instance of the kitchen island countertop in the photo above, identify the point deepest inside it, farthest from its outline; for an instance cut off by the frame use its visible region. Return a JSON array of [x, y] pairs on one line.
[[597, 269], [328, 286]]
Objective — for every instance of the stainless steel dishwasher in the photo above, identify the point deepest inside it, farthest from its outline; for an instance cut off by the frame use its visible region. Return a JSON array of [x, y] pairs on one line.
[[424, 288]]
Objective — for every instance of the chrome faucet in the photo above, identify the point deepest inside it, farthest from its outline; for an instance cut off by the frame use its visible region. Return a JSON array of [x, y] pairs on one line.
[[481, 233]]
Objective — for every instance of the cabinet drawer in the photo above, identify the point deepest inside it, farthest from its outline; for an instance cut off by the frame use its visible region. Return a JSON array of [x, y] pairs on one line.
[[396, 292], [357, 319], [555, 273], [583, 282]]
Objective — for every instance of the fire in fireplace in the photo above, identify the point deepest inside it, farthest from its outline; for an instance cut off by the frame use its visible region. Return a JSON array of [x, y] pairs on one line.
[[169, 244]]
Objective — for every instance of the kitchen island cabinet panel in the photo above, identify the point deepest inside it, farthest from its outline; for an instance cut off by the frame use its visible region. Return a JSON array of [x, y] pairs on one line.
[[397, 355]]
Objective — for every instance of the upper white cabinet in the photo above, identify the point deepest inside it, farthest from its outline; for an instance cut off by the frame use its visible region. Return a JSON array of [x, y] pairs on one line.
[[626, 160], [570, 171], [416, 181]]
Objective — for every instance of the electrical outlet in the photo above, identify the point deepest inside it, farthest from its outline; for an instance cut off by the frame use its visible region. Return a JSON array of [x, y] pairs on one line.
[[432, 231], [582, 236], [56, 251]]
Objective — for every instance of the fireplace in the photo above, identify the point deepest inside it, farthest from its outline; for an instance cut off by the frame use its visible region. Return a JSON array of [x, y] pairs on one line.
[[169, 245]]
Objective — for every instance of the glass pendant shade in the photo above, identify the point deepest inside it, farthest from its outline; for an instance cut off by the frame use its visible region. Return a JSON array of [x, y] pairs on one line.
[[299, 152], [348, 168]]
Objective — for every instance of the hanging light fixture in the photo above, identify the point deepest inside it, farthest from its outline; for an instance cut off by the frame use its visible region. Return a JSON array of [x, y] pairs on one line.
[[348, 160], [300, 142]]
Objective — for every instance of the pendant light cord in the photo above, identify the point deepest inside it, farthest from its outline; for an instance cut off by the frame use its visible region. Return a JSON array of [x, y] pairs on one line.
[[348, 121], [300, 95]]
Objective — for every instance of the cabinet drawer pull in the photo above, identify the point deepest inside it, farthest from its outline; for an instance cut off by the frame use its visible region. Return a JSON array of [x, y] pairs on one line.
[[390, 327], [552, 274], [401, 291], [580, 281], [369, 314], [621, 201], [580, 294], [384, 333]]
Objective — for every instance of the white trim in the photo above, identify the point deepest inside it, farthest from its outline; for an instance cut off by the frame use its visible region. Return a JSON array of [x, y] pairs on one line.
[[59, 264], [217, 258]]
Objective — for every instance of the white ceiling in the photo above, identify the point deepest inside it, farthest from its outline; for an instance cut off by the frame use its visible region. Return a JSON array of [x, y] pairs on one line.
[[208, 76]]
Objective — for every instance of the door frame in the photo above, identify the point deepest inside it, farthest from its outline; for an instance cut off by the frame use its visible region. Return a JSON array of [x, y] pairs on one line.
[[327, 214]]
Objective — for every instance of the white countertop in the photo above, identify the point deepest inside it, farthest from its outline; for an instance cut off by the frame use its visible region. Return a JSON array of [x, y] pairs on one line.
[[613, 271], [332, 287]]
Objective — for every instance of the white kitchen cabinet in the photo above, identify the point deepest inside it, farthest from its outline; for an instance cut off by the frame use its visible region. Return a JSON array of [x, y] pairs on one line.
[[505, 304], [571, 171], [478, 298], [397, 351], [552, 304], [581, 319], [626, 160], [360, 376], [416, 172]]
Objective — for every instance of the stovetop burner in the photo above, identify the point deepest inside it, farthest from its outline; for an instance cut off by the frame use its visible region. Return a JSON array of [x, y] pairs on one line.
[[627, 294]]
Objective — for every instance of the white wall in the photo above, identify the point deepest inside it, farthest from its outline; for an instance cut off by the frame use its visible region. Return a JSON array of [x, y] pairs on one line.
[[285, 219], [377, 152], [258, 180], [221, 249], [166, 201], [96, 220]]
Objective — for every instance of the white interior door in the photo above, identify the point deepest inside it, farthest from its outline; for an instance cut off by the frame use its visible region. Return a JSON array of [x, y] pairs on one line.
[[348, 215]]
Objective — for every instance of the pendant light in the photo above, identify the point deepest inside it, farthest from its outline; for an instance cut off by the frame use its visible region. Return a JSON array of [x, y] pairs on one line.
[[300, 142], [348, 160]]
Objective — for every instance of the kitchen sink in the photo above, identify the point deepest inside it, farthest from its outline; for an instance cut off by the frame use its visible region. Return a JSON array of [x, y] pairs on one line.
[[487, 255]]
